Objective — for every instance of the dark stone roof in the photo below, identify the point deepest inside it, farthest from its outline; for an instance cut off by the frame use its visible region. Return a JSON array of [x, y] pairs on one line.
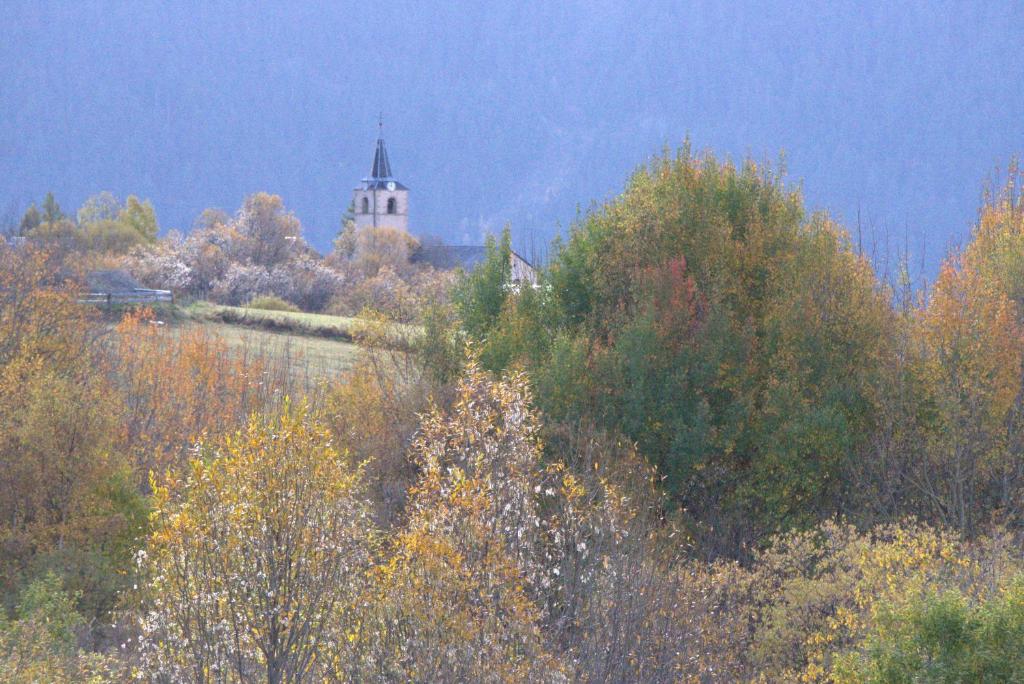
[[111, 281], [381, 165], [380, 172], [448, 257], [381, 184]]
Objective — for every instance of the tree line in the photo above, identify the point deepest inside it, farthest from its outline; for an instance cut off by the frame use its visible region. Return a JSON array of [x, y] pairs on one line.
[[709, 445]]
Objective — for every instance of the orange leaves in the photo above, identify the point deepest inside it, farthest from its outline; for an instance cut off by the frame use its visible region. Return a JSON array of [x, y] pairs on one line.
[[972, 331], [181, 384], [675, 301]]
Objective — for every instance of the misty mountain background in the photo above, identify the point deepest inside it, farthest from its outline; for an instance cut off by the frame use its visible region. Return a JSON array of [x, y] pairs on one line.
[[523, 113]]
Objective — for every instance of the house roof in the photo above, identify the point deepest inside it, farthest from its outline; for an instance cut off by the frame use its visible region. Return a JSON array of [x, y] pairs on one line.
[[111, 281]]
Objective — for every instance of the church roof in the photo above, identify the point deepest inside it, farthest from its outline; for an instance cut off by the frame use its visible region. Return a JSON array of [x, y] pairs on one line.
[[380, 172], [380, 184], [448, 257], [381, 166]]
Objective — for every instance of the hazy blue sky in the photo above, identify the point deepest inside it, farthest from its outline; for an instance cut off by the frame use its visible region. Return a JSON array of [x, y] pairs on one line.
[[516, 112]]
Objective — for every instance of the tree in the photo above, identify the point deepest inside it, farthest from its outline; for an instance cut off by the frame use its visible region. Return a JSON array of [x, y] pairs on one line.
[[30, 220], [108, 226], [51, 210], [345, 242], [268, 233], [972, 350], [377, 248], [256, 558], [53, 228], [461, 593], [480, 297], [704, 316], [67, 501], [952, 427], [210, 218], [140, 216], [101, 207]]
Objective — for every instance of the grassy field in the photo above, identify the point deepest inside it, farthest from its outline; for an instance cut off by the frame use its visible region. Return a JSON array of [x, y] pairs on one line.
[[308, 358], [339, 328], [312, 346], [296, 322]]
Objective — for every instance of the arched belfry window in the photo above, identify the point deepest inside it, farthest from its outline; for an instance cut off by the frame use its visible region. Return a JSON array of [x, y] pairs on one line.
[[391, 205], [366, 205]]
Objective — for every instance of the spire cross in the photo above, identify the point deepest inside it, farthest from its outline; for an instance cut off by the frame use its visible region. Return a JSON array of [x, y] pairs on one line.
[[380, 124]]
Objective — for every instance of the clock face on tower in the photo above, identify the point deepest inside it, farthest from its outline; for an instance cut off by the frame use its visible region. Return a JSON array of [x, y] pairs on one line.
[[391, 185]]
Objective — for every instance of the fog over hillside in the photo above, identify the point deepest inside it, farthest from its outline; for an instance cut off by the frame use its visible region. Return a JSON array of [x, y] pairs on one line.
[[508, 112]]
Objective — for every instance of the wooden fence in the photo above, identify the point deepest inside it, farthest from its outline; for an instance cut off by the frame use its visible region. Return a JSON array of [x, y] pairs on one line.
[[136, 296]]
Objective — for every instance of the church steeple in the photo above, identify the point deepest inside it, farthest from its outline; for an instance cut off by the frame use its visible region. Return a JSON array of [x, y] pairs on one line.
[[381, 166], [381, 201]]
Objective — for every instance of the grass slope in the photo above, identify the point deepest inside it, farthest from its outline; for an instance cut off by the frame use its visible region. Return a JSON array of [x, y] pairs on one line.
[[321, 325], [308, 358], [399, 336]]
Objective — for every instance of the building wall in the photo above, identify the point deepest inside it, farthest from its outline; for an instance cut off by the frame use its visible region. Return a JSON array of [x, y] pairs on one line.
[[400, 219], [521, 271]]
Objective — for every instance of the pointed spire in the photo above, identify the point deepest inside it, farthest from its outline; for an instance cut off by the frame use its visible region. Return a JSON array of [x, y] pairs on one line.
[[381, 165]]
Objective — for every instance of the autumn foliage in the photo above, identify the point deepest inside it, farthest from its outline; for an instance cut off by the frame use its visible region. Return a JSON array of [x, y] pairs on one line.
[[711, 445], [183, 384]]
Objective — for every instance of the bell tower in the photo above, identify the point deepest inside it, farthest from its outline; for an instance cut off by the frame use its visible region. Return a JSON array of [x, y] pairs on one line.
[[381, 200]]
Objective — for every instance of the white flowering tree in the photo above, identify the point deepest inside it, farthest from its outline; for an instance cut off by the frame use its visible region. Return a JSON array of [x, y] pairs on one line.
[[256, 559], [459, 598]]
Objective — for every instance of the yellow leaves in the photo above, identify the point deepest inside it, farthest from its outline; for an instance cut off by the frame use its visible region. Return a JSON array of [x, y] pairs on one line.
[[269, 533], [572, 488]]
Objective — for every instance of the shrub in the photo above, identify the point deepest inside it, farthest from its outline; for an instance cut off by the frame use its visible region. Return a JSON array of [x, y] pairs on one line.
[[944, 636], [58, 444], [162, 265], [240, 283], [40, 645], [385, 292], [271, 303], [306, 282]]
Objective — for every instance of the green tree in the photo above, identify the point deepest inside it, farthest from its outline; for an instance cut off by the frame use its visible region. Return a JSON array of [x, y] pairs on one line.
[[943, 637], [51, 210], [140, 216], [30, 220], [737, 340], [481, 296], [103, 206], [106, 225]]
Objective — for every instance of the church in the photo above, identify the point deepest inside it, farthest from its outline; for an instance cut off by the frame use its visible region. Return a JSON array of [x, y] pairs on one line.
[[381, 201]]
